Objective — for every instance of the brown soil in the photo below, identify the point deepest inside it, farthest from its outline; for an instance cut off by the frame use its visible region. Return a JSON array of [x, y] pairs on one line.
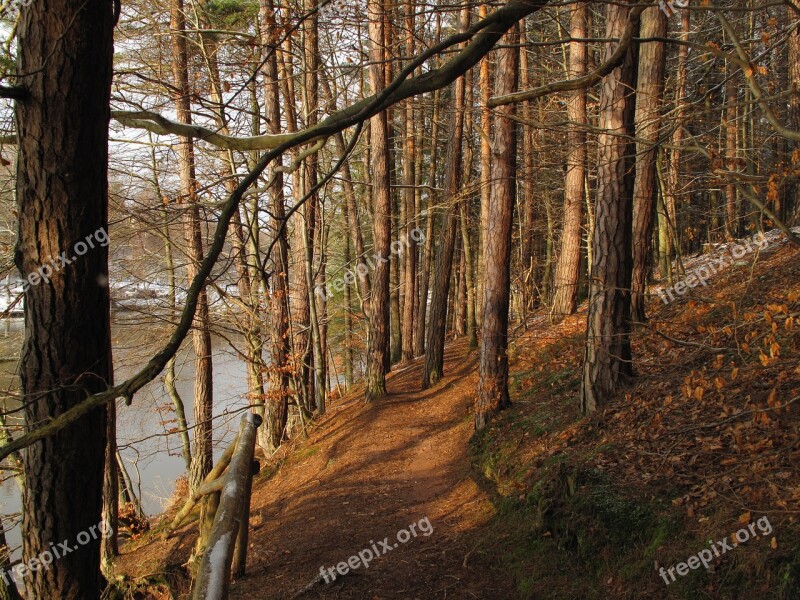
[[366, 472]]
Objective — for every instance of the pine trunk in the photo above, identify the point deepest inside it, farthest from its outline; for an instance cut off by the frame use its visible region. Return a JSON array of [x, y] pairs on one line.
[[648, 124], [493, 388], [608, 351], [568, 269], [62, 201]]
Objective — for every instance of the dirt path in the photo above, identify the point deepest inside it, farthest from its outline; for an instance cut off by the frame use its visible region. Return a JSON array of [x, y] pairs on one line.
[[366, 473]]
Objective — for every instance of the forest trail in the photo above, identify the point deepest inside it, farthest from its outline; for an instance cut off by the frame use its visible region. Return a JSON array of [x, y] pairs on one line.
[[367, 472]]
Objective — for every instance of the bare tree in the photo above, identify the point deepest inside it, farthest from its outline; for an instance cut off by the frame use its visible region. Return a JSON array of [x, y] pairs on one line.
[[608, 351], [568, 269], [493, 388]]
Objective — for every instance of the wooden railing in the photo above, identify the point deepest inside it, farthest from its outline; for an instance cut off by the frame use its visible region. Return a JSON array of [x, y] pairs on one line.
[[225, 516]]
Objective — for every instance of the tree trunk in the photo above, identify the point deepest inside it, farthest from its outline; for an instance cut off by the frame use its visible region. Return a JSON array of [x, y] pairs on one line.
[[568, 269], [466, 244], [528, 208], [276, 407], [485, 84], [110, 545], [378, 303], [62, 203], [201, 335], [608, 351], [648, 124], [794, 100], [731, 153], [493, 388], [409, 194], [674, 171], [427, 253], [434, 344]]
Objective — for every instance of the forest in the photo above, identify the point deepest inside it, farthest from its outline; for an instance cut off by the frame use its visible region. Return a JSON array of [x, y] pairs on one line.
[[399, 299]]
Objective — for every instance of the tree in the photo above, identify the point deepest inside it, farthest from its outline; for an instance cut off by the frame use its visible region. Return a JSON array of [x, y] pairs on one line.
[[493, 387], [568, 269], [608, 351], [409, 199], [202, 455], [649, 97], [277, 403], [794, 100], [378, 303], [62, 202]]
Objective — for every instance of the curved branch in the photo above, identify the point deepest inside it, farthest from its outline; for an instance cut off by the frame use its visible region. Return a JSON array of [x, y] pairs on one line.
[[155, 123], [595, 76]]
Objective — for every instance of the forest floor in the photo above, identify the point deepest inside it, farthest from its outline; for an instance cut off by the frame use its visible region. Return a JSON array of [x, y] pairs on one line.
[[704, 441]]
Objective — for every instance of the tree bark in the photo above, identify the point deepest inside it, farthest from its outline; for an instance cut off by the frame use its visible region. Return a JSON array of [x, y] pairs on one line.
[[493, 388], [409, 193], [276, 407], [485, 84], [649, 96], [794, 101], [378, 303], [427, 253], [62, 201], [608, 351], [434, 344], [674, 171], [568, 268], [731, 153], [202, 458]]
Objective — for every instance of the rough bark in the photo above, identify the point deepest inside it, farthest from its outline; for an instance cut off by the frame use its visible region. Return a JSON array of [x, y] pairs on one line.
[[493, 388], [608, 351], [674, 170], [378, 303], [485, 84], [649, 96], [794, 101], [731, 153], [62, 199], [427, 253], [434, 343], [568, 268], [201, 335], [409, 197], [276, 407]]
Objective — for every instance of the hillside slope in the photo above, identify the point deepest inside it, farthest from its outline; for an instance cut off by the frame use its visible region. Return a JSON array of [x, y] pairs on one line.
[[547, 504]]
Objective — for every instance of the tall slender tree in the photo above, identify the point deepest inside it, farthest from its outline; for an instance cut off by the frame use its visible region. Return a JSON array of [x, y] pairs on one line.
[[649, 96], [568, 268], [378, 303], [434, 343], [493, 388], [608, 350], [202, 447]]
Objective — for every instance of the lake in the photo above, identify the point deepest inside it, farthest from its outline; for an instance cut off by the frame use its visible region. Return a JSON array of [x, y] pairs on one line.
[[152, 456]]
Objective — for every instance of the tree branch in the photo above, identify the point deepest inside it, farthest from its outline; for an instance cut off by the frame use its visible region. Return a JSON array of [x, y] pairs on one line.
[[581, 82]]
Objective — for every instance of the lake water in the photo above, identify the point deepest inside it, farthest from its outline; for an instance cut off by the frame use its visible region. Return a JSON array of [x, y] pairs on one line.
[[152, 456]]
